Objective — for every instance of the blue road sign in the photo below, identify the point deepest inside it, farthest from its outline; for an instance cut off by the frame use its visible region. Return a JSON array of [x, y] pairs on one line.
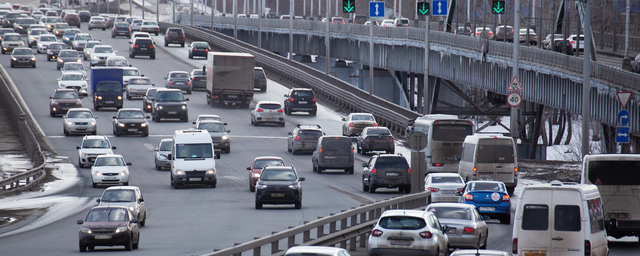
[[376, 9], [623, 118], [622, 134], [439, 8]]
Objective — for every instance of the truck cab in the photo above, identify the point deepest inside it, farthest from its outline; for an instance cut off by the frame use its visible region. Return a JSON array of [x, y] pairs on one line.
[[106, 88]]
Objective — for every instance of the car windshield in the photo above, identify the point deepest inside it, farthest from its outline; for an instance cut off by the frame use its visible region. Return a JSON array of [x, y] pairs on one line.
[[48, 39], [276, 174], [402, 222], [438, 179], [150, 23], [194, 150], [103, 50], [107, 214], [68, 54], [12, 38], [73, 66], [485, 186], [267, 162], [130, 72], [140, 81], [131, 115], [95, 143], [451, 212], [152, 92], [57, 46], [121, 25], [37, 32], [392, 162], [62, 26], [270, 106], [212, 127], [91, 45], [80, 114], [199, 73], [108, 87], [71, 32], [200, 45], [83, 38], [362, 118], [118, 195], [179, 75], [170, 96], [26, 21], [109, 161], [117, 63], [54, 20], [166, 146], [378, 131], [66, 95], [22, 52], [72, 77]]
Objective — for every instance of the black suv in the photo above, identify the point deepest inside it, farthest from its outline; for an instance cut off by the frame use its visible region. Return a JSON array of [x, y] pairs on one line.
[[170, 103], [300, 99], [174, 36], [142, 46], [9, 19], [130, 121], [85, 16], [279, 185], [386, 170]]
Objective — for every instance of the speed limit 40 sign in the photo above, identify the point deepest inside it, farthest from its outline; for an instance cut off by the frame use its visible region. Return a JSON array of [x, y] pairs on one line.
[[514, 99]]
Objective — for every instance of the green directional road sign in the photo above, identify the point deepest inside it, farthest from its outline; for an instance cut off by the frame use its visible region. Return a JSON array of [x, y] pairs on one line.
[[497, 7], [424, 8], [348, 6]]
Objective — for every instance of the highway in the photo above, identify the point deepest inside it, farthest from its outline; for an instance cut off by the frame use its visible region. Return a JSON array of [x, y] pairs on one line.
[[195, 220]]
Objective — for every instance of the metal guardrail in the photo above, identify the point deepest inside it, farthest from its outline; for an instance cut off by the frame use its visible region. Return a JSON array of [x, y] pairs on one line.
[[14, 106], [350, 97], [348, 229], [618, 79]]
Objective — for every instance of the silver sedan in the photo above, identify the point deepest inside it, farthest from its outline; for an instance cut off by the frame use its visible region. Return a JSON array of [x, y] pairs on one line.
[[467, 228], [79, 121]]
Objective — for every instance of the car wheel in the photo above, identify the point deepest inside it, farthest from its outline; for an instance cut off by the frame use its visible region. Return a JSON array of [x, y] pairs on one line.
[[82, 247], [94, 185], [66, 133], [166, 44], [48, 58], [189, 92], [129, 243], [91, 247], [349, 170], [510, 190], [112, 36], [258, 205], [252, 188], [484, 246], [282, 124], [365, 188], [190, 56], [90, 28], [407, 189], [372, 189], [506, 219], [298, 204], [175, 185], [125, 183], [156, 118], [293, 152], [34, 65], [153, 57], [146, 134], [128, 97], [156, 33], [319, 169], [158, 167], [137, 243], [182, 45], [104, 29]]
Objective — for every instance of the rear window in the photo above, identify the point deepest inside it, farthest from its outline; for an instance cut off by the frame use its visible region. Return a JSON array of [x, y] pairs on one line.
[[437, 179], [451, 212], [329, 144], [392, 162], [310, 133], [270, 106], [451, 132], [177, 31], [302, 94], [270, 162], [198, 73], [402, 222], [259, 74], [535, 217], [143, 42], [378, 131], [486, 186], [567, 218], [495, 153], [614, 172]]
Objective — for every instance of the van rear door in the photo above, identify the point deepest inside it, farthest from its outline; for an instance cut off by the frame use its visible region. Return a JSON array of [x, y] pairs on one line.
[[567, 233], [534, 234], [495, 160]]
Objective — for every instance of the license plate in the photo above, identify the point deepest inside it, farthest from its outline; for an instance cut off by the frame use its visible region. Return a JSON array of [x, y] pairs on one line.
[[392, 174], [535, 254], [302, 102], [81, 128], [486, 209], [179, 83], [451, 230], [448, 192], [65, 108], [329, 157], [133, 130], [195, 179], [277, 195], [110, 178], [102, 237], [109, 102], [400, 242], [486, 177], [143, 49], [232, 96], [172, 112]]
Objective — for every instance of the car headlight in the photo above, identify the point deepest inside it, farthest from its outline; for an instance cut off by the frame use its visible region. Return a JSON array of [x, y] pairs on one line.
[[211, 171], [94, 57], [85, 230], [13, 58], [98, 174], [261, 186], [162, 157], [99, 97], [184, 106], [40, 45], [293, 186], [121, 229], [131, 208], [225, 137], [119, 97], [75, 43], [123, 173], [256, 175], [159, 107], [121, 124], [32, 38], [66, 38], [33, 58], [93, 123], [179, 172], [60, 60], [69, 123], [80, 60], [19, 27], [143, 125]]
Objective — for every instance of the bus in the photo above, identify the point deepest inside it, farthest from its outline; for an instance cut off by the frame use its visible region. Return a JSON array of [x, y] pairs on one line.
[[617, 177], [445, 134]]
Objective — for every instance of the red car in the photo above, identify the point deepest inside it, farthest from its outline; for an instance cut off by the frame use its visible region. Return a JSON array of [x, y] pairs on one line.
[[258, 164]]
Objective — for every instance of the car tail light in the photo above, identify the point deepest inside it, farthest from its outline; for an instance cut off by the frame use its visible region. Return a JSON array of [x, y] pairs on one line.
[[259, 110], [129, 29], [587, 247], [290, 99], [426, 234], [373, 170], [153, 46], [468, 230], [298, 137], [505, 198], [206, 50], [189, 83], [331, 22], [170, 82], [573, 42], [475, 171], [280, 110], [350, 124], [391, 140], [437, 164], [433, 189], [114, 28], [460, 190], [468, 197], [313, 100], [514, 246], [183, 36], [515, 171], [195, 50], [375, 124], [135, 46], [367, 140], [376, 232], [409, 171]]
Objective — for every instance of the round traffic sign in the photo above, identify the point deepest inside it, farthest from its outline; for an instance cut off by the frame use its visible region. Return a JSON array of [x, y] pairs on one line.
[[514, 99], [417, 141]]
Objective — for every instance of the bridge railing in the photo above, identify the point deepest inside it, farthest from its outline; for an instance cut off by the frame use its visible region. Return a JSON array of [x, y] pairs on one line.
[[13, 105], [556, 62], [348, 229]]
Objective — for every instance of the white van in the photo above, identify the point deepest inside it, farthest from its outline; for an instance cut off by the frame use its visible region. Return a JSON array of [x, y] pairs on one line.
[[193, 158], [488, 156], [617, 177], [558, 219]]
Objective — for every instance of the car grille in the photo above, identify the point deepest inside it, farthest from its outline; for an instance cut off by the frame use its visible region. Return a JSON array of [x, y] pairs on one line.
[[67, 104], [103, 230], [172, 108], [111, 174], [23, 59], [14, 45], [132, 125], [194, 174], [103, 58], [82, 44], [73, 87], [82, 123]]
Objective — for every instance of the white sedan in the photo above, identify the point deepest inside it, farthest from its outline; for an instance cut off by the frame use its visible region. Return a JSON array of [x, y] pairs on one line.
[[387, 23], [73, 80], [444, 187], [44, 41], [74, 67], [79, 121], [110, 170]]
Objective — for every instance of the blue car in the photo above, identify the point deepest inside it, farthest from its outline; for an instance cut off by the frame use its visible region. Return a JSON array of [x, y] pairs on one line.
[[490, 198], [70, 35]]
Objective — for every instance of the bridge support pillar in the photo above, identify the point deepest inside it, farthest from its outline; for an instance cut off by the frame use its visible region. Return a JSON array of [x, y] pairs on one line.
[[420, 100], [412, 91], [609, 136]]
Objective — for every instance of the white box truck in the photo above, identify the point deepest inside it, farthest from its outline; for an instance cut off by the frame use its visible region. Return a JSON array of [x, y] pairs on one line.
[[230, 79]]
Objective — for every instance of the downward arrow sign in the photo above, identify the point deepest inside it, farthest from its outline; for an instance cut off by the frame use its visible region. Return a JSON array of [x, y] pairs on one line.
[[497, 9]]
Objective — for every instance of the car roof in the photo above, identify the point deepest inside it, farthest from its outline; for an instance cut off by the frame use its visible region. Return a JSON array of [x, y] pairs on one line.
[[278, 168], [109, 156], [457, 205], [79, 109], [165, 140], [168, 90], [210, 121], [122, 188], [207, 115], [413, 213], [314, 249], [129, 109], [479, 253], [443, 174], [268, 157], [94, 137], [268, 102], [64, 90]]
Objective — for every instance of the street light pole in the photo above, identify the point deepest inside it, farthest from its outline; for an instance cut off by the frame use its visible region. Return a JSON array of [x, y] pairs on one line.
[[586, 79], [516, 67]]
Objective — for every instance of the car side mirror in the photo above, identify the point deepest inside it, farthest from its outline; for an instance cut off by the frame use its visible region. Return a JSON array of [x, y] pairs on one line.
[[224, 123], [78, 147], [140, 200], [124, 90], [95, 117], [130, 42], [155, 149], [114, 147], [344, 119], [486, 217], [217, 156], [286, 95], [135, 220], [153, 84], [170, 156], [301, 179], [365, 165], [289, 133], [98, 200], [130, 65], [50, 97], [59, 78], [187, 99], [445, 229], [228, 131], [165, 78], [128, 164], [249, 168], [115, 51], [194, 122], [80, 222], [114, 117]]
